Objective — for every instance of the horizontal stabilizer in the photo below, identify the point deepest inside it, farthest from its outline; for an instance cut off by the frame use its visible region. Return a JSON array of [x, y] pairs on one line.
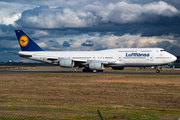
[[20, 55]]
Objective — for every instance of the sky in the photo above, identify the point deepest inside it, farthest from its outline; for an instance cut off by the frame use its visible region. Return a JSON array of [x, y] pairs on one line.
[[90, 25]]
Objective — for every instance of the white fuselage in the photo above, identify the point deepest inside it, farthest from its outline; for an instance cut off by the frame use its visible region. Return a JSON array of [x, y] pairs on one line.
[[121, 56]]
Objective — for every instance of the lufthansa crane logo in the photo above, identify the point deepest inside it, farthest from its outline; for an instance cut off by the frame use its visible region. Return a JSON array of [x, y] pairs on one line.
[[23, 41]]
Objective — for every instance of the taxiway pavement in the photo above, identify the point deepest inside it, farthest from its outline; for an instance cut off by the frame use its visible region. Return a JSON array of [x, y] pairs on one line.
[[79, 72]]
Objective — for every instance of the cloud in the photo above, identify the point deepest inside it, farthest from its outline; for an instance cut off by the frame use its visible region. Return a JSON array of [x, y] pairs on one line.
[[92, 15], [168, 42], [40, 33], [89, 41], [71, 40], [160, 8], [8, 44], [65, 44], [10, 20], [47, 44], [117, 18], [42, 45], [123, 12], [10, 12], [85, 44], [44, 17], [47, 2]]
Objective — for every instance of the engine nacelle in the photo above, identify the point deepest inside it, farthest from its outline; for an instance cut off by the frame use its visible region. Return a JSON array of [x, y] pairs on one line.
[[96, 66], [68, 63], [117, 68]]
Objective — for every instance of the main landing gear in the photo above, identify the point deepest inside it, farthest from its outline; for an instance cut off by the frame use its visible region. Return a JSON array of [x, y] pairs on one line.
[[88, 70]]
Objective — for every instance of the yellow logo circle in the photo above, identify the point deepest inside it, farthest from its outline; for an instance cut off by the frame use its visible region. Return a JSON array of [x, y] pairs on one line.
[[23, 40]]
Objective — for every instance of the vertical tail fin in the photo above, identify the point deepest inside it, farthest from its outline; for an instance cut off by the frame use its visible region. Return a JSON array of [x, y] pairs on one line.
[[26, 43]]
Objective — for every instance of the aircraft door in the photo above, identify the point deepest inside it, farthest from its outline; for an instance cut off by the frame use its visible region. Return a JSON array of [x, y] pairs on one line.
[[151, 58], [120, 58]]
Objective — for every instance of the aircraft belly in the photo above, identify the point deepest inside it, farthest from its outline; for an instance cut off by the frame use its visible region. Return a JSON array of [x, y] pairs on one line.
[[142, 64]]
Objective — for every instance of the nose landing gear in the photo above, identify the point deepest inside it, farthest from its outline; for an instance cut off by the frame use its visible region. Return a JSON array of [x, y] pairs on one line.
[[157, 71]]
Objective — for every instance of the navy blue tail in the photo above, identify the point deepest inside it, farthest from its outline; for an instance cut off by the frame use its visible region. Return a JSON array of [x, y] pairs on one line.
[[26, 43]]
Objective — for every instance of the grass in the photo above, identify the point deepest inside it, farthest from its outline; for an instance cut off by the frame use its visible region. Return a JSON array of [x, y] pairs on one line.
[[76, 96]]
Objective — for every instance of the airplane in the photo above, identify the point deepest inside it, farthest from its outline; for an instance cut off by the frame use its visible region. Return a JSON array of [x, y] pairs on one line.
[[117, 58]]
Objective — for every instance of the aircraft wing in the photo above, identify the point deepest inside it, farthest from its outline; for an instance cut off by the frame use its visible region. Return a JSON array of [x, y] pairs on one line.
[[72, 62], [84, 62]]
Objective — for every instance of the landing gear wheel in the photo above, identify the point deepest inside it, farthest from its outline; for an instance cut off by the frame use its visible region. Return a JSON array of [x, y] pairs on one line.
[[87, 70], [157, 71]]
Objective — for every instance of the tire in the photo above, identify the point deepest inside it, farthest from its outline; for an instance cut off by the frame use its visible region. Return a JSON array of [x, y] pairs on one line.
[[87, 70], [99, 70], [157, 71]]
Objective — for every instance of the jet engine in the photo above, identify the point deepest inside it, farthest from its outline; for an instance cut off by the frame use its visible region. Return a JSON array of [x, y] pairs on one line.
[[117, 68], [68, 63], [96, 66]]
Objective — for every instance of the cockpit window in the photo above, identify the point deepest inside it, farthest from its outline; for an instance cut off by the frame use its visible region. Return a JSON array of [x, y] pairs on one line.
[[162, 50]]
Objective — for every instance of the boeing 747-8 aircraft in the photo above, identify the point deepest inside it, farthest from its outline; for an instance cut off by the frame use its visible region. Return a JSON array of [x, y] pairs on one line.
[[94, 60]]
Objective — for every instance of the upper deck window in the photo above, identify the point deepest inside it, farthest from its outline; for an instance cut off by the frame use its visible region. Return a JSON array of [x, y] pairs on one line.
[[162, 50], [145, 51], [127, 51]]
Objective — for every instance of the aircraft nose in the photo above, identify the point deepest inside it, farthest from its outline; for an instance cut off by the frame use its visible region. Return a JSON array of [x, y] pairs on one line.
[[174, 58]]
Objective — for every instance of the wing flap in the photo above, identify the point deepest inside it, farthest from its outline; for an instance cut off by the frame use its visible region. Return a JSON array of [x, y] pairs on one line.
[[52, 59]]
